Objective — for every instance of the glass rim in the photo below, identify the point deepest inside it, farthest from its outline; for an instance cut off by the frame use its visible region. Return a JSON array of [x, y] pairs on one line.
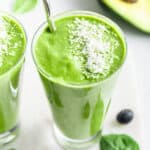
[[25, 36], [70, 13]]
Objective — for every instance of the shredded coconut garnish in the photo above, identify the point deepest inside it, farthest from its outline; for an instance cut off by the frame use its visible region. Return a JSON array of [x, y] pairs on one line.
[[6, 45], [3, 40], [91, 47]]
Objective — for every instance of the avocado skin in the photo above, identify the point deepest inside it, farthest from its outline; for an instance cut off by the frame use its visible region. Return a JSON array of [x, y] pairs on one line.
[[126, 17], [130, 1]]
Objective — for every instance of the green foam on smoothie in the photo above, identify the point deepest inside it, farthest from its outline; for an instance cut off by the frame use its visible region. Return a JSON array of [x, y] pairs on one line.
[[12, 43], [83, 49]]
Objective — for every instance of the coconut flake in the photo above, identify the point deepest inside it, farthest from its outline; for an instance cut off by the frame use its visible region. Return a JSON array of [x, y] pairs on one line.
[[89, 45], [5, 39]]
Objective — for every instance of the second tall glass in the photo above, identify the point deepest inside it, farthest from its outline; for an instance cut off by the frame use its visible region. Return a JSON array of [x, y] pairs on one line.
[[12, 48]]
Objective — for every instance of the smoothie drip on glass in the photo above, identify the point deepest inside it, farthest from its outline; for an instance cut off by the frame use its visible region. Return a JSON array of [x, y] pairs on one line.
[[12, 47], [78, 66]]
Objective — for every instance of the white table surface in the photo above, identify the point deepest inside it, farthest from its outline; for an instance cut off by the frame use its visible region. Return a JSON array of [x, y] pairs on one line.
[[138, 47]]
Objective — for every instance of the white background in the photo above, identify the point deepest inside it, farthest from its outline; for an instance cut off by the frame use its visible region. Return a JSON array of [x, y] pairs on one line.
[[138, 47]]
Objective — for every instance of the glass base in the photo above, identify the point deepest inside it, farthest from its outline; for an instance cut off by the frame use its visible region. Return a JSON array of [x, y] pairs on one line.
[[7, 138], [71, 144]]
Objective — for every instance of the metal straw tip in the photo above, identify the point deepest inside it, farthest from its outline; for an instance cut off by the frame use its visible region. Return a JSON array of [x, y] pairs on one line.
[[49, 17]]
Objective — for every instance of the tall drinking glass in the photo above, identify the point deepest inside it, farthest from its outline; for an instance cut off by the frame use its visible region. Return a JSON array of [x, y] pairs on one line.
[[12, 47], [79, 109]]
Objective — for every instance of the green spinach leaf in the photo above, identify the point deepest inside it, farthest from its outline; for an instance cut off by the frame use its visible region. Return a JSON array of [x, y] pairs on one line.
[[118, 142], [22, 6]]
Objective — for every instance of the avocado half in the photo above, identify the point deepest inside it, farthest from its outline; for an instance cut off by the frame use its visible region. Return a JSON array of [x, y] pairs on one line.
[[136, 12]]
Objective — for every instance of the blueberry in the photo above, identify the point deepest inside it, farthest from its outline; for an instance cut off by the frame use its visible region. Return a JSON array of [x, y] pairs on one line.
[[125, 116]]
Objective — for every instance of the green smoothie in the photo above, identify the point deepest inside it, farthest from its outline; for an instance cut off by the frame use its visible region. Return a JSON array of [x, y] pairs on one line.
[[78, 64], [12, 47]]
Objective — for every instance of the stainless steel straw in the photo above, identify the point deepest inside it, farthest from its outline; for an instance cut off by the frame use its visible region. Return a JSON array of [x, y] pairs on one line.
[[49, 17]]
